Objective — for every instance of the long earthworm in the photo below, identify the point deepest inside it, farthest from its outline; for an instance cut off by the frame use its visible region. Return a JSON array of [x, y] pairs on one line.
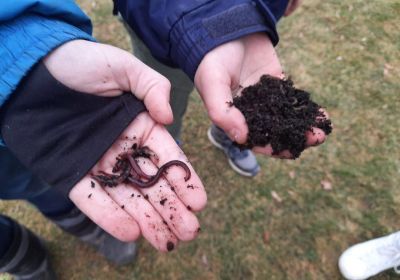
[[154, 179], [131, 172]]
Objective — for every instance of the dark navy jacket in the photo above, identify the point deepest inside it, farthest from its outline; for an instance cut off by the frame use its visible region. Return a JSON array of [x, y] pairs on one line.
[[180, 32]]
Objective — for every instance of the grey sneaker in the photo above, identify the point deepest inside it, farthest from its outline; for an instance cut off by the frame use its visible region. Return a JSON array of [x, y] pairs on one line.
[[116, 251], [243, 162], [77, 224]]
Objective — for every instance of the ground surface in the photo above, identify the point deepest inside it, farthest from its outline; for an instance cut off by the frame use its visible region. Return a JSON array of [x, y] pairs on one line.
[[285, 223]]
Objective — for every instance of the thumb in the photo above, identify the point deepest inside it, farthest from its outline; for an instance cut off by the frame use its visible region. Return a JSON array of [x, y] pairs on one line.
[[107, 71], [151, 87], [216, 93]]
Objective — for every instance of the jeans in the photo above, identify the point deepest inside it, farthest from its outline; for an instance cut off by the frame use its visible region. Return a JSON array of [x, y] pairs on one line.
[[16, 182]]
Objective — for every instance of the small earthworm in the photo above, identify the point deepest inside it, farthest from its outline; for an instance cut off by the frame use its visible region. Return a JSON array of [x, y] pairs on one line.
[[136, 168], [154, 179], [131, 172]]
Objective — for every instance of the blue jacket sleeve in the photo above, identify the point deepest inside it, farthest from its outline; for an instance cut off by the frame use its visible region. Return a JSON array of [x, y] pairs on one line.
[[180, 32], [29, 30], [64, 10]]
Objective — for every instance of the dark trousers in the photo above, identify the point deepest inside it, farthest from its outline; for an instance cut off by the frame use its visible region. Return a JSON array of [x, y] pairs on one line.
[[16, 182]]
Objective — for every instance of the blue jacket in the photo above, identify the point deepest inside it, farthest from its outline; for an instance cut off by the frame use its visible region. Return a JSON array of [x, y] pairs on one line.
[[30, 29], [180, 32]]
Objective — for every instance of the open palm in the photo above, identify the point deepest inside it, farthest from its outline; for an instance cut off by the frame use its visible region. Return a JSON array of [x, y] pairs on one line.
[[163, 213]]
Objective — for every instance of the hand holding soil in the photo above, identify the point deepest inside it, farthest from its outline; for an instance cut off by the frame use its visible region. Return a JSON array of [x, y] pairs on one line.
[[241, 63], [279, 115], [160, 211]]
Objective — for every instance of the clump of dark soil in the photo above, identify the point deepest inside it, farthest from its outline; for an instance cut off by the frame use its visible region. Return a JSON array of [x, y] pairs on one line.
[[279, 114]]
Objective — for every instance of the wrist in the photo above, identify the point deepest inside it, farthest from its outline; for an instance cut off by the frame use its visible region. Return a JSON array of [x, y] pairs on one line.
[[190, 44]]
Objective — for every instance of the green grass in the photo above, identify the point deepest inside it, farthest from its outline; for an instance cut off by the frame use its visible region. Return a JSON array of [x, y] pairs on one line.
[[347, 53]]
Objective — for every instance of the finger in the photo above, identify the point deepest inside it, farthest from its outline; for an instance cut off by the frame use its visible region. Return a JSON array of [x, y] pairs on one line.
[[103, 210], [268, 151], [216, 76], [152, 226], [285, 154], [179, 218], [151, 87], [324, 115], [315, 137], [216, 93], [292, 6], [191, 192]]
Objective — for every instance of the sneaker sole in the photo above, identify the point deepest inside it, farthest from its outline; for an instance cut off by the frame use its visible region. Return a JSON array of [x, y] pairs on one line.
[[234, 167]]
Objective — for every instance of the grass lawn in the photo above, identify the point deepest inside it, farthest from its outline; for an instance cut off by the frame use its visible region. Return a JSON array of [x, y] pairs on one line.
[[347, 53]]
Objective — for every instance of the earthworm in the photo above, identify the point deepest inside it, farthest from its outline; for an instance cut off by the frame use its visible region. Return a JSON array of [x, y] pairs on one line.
[[131, 172], [154, 179], [136, 168]]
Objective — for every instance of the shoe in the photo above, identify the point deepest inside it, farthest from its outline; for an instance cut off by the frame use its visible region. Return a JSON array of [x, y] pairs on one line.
[[114, 250], [243, 162], [27, 258], [369, 258]]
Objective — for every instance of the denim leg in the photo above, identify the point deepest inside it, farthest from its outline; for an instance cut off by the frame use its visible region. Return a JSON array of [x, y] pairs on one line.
[[18, 183]]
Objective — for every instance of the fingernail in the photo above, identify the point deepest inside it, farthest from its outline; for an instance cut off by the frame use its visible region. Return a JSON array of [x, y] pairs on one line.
[[170, 246], [234, 134]]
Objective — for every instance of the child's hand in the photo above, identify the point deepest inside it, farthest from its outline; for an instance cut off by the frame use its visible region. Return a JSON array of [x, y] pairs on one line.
[[105, 70], [163, 213], [228, 68]]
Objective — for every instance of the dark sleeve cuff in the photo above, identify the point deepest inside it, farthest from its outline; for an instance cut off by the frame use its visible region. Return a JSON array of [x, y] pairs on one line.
[[58, 133], [189, 44]]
